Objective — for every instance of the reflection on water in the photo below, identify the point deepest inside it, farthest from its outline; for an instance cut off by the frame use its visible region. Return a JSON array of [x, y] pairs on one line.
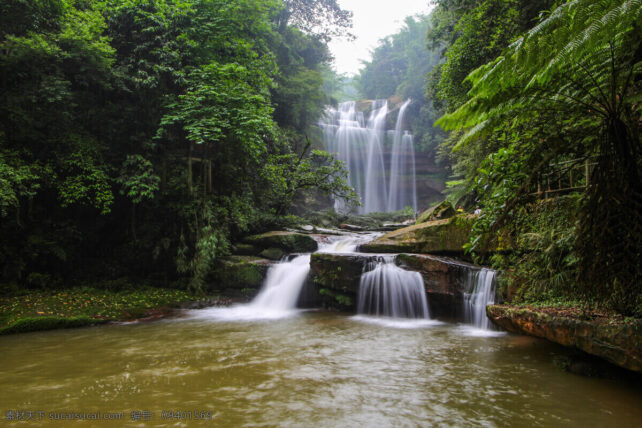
[[314, 369]]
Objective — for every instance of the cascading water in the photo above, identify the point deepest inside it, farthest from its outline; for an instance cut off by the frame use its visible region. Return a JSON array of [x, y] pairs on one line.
[[282, 286], [362, 147], [403, 187], [387, 290], [346, 136], [481, 284], [375, 193]]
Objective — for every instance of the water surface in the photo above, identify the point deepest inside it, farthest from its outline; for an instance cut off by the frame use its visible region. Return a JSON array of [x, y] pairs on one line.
[[311, 369]]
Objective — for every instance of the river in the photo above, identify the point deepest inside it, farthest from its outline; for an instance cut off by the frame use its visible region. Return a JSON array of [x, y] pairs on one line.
[[309, 369]]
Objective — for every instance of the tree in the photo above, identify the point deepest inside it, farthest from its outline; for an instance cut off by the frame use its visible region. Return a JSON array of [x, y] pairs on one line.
[[582, 63], [323, 19]]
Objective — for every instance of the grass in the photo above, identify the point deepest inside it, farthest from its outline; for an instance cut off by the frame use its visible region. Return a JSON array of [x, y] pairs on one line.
[[45, 310]]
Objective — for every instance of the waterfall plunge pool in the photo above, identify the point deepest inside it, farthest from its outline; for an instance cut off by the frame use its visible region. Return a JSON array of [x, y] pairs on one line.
[[310, 369]]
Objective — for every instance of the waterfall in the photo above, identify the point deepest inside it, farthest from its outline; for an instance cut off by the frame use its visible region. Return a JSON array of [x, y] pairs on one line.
[[364, 147], [481, 284], [280, 291], [403, 188], [282, 286], [388, 290], [375, 193]]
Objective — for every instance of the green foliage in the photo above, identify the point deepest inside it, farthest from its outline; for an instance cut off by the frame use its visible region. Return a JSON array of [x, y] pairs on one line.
[[180, 118], [138, 179], [567, 89], [544, 263]]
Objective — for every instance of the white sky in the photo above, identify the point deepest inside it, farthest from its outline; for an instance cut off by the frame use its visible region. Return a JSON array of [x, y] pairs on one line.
[[372, 20]]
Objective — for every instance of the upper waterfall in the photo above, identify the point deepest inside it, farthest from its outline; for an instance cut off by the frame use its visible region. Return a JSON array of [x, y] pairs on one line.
[[380, 161]]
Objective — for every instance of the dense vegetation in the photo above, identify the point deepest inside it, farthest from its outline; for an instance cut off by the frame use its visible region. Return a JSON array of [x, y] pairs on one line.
[[139, 138], [525, 86]]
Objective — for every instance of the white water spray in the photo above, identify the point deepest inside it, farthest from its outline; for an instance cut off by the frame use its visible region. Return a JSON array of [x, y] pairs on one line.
[[282, 286], [365, 149], [388, 290], [481, 284], [403, 184]]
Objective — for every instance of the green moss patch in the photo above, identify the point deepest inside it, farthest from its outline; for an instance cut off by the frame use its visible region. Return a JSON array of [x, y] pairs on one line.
[[46, 310]]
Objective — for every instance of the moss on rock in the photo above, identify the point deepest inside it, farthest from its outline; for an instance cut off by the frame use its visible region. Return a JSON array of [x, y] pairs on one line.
[[433, 237], [618, 341], [441, 211], [272, 253], [289, 242], [24, 325], [234, 275]]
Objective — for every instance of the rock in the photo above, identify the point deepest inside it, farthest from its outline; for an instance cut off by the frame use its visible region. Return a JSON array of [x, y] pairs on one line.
[[434, 237], [272, 253], [337, 278], [245, 249], [444, 281], [352, 227], [289, 242], [618, 342], [439, 212], [238, 276]]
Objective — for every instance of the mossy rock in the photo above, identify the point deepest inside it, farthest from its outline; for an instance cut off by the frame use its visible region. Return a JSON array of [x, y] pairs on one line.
[[245, 249], [289, 242], [441, 211], [617, 341], [272, 253], [24, 325], [337, 278], [338, 301], [238, 273], [434, 237]]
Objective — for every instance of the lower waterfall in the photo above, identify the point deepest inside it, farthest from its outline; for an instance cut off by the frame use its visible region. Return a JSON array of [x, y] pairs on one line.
[[481, 286], [387, 290]]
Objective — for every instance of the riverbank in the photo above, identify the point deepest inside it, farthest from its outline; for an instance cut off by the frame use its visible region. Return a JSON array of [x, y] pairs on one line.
[[609, 336], [78, 307]]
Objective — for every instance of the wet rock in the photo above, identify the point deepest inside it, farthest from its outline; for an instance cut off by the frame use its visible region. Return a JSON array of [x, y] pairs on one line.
[[245, 249], [238, 276], [352, 227], [434, 237], [289, 242], [441, 211], [272, 253], [337, 278], [619, 342]]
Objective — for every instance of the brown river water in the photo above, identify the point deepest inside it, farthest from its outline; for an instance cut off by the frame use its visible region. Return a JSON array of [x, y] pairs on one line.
[[312, 369]]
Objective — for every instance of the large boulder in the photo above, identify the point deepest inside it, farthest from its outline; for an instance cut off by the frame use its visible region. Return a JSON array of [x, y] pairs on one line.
[[618, 341], [289, 242], [440, 211], [238, 276], [336, 277], [434, 237], [445, 281]]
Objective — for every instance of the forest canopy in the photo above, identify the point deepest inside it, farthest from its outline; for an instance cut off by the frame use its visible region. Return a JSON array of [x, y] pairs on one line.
[[527, 87], [140, 137]]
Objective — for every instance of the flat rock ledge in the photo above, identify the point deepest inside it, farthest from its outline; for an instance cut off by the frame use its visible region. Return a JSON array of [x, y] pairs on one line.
[[619, 342], [446, 236]]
